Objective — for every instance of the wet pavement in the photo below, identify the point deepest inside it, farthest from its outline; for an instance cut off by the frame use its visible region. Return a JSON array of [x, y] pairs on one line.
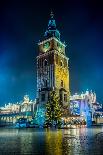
[[83, 141]]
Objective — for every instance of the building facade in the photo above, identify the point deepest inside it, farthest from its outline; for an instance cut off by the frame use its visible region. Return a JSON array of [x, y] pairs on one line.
[[86, 106], [11, 112], [26, 105], [52, 66]]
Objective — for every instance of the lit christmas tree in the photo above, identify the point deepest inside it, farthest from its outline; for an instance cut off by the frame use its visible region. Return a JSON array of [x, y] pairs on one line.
[[53, 110]]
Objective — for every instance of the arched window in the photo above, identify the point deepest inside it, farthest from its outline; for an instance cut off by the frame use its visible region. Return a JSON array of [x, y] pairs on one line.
[[61, 83], [65, 97], [61, 63], [45, 62], [42, 97]]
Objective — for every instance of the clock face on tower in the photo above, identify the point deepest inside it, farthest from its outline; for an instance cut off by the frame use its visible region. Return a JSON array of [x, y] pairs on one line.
[[46, 45], [59, 45]]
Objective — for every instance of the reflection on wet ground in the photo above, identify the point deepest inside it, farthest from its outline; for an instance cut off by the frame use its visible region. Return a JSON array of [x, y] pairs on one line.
[[84, 141]]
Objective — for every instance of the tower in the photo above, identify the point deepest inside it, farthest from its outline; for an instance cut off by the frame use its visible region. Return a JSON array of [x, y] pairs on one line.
[[52, 66]]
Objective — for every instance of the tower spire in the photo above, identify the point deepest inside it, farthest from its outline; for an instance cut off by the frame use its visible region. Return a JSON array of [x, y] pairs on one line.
[[51, 29], [51, 14]]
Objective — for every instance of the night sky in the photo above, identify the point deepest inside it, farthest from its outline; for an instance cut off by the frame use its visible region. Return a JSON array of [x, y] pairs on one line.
[[22, 25]]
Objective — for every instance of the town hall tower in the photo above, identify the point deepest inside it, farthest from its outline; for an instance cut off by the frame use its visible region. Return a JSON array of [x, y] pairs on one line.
[[52, 66]]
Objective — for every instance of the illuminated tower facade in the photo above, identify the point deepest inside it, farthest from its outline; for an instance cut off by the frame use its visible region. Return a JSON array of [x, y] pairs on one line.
[[52, 66]]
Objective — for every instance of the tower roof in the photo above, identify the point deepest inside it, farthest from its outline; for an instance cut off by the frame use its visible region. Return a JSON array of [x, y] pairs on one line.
[[51, 29]]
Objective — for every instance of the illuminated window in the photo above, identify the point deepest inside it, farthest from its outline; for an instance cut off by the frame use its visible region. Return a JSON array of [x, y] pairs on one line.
[[42, 97]]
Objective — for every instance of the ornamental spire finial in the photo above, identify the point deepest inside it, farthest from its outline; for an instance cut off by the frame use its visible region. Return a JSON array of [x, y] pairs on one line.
[[52, 30], [51, 14]]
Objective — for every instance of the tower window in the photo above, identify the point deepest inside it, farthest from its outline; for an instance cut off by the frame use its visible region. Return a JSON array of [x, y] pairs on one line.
[[61, 83], [46, 83], [39, 63], [56, 57], [61, 63], [65, 97], [42, 97], [45, 62], [60, 97], [65, 62]]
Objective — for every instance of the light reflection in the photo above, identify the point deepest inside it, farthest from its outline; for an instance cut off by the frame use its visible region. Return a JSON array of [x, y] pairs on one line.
[[25, 143], [71, 141], [53, 142]]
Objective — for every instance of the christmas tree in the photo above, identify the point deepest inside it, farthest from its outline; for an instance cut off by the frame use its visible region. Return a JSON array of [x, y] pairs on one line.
[[53, 110]]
